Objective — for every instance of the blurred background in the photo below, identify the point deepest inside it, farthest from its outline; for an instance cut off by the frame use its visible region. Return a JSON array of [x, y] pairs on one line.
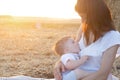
[[29, 29]]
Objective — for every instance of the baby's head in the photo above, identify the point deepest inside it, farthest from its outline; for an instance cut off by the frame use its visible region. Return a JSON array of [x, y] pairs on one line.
[[66, 45]]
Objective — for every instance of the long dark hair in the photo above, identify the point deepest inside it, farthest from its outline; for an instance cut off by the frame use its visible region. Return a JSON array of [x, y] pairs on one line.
[[99, 19]]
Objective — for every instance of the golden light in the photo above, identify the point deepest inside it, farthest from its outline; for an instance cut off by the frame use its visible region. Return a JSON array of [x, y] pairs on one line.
[[42, 8]]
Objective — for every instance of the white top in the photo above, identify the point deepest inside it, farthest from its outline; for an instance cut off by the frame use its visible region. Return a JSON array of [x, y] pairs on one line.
[[96, 50], [66, 57], [69, 56]]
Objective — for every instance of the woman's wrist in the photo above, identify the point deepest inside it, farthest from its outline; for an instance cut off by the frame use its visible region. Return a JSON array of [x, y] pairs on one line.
[[103, 76], [57, 70]]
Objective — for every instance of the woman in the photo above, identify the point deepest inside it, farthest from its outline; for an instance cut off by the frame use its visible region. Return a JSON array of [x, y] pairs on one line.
[[97, 38]]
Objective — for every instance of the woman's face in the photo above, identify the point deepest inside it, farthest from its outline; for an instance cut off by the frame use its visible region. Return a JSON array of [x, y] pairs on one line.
[[83, 17]]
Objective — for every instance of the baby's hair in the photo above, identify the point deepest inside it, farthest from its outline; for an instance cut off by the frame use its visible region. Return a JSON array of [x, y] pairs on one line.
[[59, 45]]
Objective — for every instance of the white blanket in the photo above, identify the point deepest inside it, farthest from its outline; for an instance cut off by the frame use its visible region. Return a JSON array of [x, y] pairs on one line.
[[22, 77]]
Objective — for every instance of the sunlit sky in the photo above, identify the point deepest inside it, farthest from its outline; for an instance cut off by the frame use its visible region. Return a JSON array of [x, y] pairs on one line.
[[39, 8]]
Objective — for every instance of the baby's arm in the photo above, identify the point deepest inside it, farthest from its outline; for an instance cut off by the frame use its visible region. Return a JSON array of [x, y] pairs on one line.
[[73, 64]]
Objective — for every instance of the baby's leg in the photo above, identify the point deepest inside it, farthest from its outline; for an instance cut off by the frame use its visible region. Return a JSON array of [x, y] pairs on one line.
[[81, 73]]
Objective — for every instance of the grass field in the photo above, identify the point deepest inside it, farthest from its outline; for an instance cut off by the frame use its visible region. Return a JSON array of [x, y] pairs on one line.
[[26, 49]]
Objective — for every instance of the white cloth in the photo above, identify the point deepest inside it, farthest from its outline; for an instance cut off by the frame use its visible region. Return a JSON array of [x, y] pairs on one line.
[[69, 56], [22, 77], [69, 74], [96, 50]]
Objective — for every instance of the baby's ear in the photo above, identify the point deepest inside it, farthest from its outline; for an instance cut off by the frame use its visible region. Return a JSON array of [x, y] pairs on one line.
[[53, 49]]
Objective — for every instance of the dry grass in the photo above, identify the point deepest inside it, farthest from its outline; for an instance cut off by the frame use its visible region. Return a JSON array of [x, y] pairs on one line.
[[27, 51]]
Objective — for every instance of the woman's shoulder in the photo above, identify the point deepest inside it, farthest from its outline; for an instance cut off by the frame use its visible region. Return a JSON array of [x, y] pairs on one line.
[[110, 39], [111, 36], [112, 33]]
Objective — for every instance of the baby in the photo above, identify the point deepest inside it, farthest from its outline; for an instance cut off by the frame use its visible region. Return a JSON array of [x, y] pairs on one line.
[[69, 50]]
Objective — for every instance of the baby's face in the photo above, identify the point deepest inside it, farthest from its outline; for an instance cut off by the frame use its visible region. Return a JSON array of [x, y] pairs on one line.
[[72, 46]]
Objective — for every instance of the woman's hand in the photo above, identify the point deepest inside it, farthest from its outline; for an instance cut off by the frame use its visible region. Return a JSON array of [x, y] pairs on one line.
[[58, 69]]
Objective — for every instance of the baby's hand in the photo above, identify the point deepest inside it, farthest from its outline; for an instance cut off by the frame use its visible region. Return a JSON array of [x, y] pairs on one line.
[[84, 58]]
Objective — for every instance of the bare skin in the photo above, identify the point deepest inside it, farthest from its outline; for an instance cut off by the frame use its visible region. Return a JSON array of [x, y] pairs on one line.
[[108, 58]]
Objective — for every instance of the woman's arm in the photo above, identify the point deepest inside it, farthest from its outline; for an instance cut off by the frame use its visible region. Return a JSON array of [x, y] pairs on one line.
[[73, 64], [106, 65], [58, 69]]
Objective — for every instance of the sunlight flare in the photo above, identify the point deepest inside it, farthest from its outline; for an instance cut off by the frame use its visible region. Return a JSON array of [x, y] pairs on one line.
[[42, 8]]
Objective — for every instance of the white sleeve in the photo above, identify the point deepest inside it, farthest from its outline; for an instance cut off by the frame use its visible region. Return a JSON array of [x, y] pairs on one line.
[[97, 48], [66, 57], [109, 40]]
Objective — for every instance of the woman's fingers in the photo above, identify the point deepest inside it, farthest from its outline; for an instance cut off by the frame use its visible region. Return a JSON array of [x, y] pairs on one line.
[[57, 74], [57, 71], [63, 68]]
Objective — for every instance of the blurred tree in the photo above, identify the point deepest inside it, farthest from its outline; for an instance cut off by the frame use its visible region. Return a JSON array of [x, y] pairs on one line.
[[114, 6]]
